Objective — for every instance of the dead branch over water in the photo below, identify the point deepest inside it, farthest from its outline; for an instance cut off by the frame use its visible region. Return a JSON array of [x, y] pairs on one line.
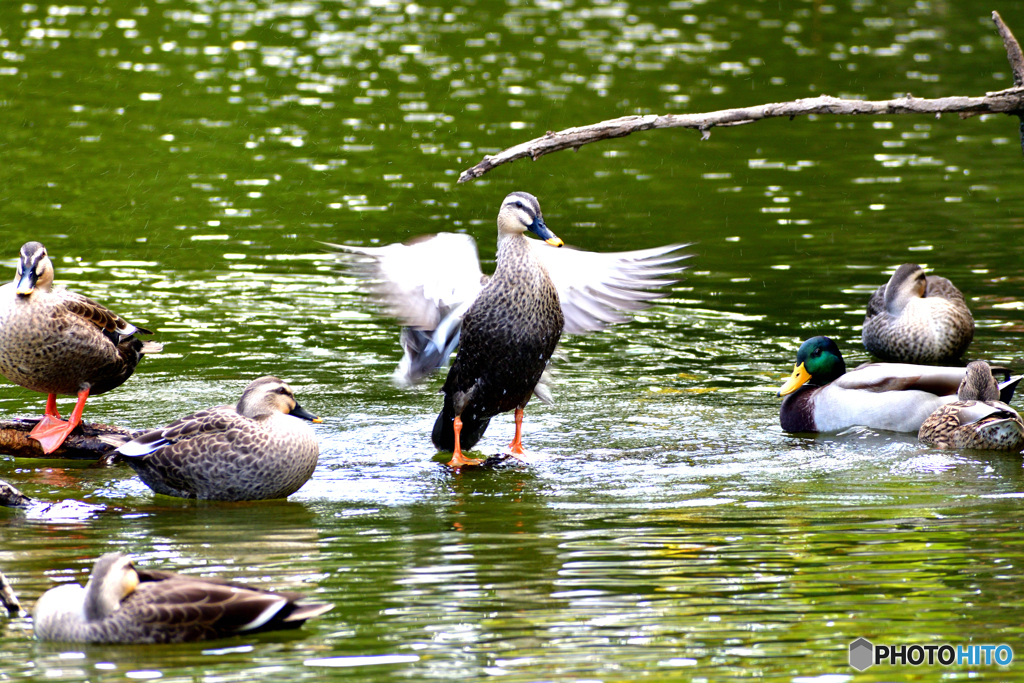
[[1010, 101]]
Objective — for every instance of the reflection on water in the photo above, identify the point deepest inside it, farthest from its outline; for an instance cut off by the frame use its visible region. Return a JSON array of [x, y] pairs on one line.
[[182, 161]]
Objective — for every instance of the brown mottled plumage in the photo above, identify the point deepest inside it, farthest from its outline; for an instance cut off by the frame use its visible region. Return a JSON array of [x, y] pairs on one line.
[[917, 319], [124, 604], [58, 342], [977, 419], [256, 450]]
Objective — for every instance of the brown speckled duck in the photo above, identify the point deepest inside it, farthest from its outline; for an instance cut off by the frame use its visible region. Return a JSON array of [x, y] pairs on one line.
[[58, 342], [125, 604], [259, 449], [977, 419], [917, 318], [506, 326]]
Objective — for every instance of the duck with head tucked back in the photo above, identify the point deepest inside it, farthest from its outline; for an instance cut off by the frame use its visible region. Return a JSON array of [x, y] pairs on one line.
[[505, 327], [259, 449], [58, 342], [122, 603], [977, 419], [821, 396], [917, 318]]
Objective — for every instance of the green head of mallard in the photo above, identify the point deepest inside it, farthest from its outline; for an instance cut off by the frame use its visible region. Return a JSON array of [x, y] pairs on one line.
[[34, 269], [818, 362], [521, 212]]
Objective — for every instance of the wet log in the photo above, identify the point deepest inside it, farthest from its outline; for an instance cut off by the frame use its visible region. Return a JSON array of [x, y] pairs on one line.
[[1009, 101], [87, 442]]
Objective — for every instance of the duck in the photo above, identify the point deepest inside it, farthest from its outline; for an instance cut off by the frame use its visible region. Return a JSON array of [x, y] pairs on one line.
[[977, 419], [261, 448], [503, 328], [122, 603], [821, 396], [57, 342], [917, 318]]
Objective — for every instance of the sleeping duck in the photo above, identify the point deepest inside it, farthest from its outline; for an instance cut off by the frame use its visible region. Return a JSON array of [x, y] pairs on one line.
[[917, 318], [977, 419], [821, 396], [123, 603], [507, 326]]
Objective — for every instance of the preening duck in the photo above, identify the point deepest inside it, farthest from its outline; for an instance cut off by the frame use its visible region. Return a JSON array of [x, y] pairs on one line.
[[258, 449], [917, 318], [821, 396], [507, 326], [977, 419], [57, 342], [125, 604]]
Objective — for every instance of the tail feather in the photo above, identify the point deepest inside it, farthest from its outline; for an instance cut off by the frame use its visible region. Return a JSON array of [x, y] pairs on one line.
[[443, 435]]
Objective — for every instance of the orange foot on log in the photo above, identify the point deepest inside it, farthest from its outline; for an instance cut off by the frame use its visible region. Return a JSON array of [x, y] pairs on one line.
[[458, 459], [51, 431]]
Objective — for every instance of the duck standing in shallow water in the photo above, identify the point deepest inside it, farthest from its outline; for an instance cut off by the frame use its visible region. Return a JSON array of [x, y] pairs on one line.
[[822, 397], [977, 419], [917, 318], [125, 604], [259, 449], [507, 326], [57, 342]]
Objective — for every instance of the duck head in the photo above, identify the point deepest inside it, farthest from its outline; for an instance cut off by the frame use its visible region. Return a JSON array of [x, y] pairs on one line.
[[521, 212], [908, 282], [818, 361], [268, 395], [34, 269], [978, 384], [112, 580]]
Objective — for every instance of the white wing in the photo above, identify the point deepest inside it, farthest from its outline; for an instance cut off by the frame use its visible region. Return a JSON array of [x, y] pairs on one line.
[[596, 288], [419, 282], [428, 284]]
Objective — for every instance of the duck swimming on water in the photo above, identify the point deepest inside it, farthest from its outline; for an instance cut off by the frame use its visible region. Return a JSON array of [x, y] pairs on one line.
[[821, 396], [57, 342], [507, 326], [917, 318], [123, 603], [261, 448]]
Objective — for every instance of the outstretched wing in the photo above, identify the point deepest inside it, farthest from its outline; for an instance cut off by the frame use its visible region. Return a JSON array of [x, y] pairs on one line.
[[428, 284], [420, 281], [596, 289]]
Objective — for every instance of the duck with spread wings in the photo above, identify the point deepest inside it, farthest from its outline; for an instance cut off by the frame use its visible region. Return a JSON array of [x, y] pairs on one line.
[[506, 326]]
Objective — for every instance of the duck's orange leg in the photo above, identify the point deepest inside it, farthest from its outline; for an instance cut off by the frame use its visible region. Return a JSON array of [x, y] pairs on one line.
[[51, 431], [516, 447], [458, 459]]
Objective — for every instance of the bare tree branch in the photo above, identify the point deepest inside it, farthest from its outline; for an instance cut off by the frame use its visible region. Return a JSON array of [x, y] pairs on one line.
[[1010, 101]]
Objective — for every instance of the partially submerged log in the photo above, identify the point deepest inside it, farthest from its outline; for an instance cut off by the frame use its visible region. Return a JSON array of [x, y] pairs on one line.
[[87, 442], [1009, 101]]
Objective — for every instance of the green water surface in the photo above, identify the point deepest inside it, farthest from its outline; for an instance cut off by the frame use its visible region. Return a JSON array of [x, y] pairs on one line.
[[182, 162]]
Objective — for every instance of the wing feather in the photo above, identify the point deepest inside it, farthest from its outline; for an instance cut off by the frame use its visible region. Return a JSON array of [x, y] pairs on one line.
[[595, 289]]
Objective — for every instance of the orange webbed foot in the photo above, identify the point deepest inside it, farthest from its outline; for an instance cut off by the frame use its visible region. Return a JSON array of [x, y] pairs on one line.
[[51, 431]]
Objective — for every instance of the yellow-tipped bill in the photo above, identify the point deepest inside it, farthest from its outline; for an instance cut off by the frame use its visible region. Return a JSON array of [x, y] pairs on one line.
[[555, 241], [795, 381]]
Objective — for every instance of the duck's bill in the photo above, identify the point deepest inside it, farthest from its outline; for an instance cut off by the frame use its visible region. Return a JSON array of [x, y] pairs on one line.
[[541, 230], [795, 381], [27, 281], [299, 411]]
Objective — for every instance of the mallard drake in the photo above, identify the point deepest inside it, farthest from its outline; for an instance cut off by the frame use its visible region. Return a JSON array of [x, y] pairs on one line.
[[58, 342], [977, 419], [125, 604], [506, 326], [917, 318], [822, 397], [257, 449]]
